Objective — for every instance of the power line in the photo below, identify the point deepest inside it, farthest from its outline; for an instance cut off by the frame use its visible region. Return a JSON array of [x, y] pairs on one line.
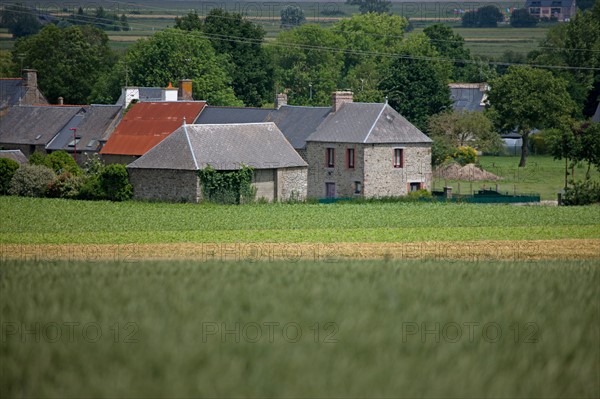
[[238, 39]]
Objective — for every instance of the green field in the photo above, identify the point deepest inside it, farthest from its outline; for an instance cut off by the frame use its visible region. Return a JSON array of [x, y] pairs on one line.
[[352, 329], [542, 175], [59, 221]]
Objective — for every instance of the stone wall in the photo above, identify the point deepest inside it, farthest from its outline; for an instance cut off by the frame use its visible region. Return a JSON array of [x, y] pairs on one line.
[[344, 178], [383, 179], [292, 183], [264, 181], [374, 169], [165, 184]]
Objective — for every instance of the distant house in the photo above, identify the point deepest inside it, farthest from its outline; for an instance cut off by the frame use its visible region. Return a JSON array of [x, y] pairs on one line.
[[154, 94], [30, 128], [145, 125], [91, 129], [20, 91], [561, 10], [168, 171], [366, 150], [15, 155], [468, 96]]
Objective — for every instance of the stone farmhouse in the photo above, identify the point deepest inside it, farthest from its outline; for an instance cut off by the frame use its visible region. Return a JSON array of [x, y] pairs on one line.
[[169, 170], [367, 150], [353, 136]]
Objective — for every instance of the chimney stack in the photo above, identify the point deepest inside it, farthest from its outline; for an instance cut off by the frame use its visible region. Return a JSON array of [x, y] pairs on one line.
[[61, 101], [169, 93], [32, 94], [339, 98], [281, 99], [185, 90]]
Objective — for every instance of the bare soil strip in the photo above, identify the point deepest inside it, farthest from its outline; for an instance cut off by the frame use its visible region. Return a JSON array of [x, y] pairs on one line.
[[463, 250]]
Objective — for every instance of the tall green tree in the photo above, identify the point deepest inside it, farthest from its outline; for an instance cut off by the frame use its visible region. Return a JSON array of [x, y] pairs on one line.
[[484, 17], [171, 55], [416, 83], [452, 46], [370, 40], [462, 128], [69, 61], [191, 21], [371, 6], [292, 16], [20, 20], [309, 62], [248, 63], [520, 18], [525, 99]]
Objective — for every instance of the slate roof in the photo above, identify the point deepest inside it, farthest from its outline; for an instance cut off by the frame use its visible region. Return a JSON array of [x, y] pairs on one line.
[[147, 124], [15, 155], [11, 91], [147, 94], [467, 96], [596, 117], [298, 123], [295, 122], [369, 123], [35, 125], [92, 126], [224, 147]]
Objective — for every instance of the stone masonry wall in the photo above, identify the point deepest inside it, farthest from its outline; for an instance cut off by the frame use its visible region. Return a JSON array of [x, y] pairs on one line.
[[374, 168], [344, 178], [383, 179], [165, 185], [292, 183]]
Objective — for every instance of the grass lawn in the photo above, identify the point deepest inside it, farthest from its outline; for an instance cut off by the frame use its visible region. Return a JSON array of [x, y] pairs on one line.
[[31, 221], [347, 329], [542, 175]]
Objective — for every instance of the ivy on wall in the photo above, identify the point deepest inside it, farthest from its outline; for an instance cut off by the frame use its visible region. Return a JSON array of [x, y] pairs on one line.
[[233, 187]]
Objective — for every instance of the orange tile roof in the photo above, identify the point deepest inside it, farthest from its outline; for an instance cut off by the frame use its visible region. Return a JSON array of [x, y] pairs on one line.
[[148, 123]]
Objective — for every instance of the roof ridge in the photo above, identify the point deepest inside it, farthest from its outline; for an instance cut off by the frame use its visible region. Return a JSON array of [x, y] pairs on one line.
[[374, 123], [187, 136]]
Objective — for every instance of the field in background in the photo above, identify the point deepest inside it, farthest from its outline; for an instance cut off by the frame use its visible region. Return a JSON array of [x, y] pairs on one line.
[[542, 175], [148, 16], [308, 329]]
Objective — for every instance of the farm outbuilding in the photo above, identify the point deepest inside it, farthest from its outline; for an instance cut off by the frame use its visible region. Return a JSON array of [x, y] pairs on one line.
[[168, 172]]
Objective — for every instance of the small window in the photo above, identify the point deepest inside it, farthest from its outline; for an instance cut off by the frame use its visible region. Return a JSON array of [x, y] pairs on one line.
[[357, 187], [72, 143], [415, 186], [330, 155], [350, 158], [398, 158]]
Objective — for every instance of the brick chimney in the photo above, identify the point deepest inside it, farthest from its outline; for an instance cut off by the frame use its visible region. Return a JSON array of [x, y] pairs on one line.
[[185, 90], [340, 97], [61, 100], [281, 99]]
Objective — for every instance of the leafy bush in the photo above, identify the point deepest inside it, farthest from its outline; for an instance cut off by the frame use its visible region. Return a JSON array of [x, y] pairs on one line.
[[582, 193], [37, 158], [31, 181], [465, 155], [540, 144], [60, 162], [65, 185], [441, 151], [114, 182], [227, 187], [90, 188], [8, 167]]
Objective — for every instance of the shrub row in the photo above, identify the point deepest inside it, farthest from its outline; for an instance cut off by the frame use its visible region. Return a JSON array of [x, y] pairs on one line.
[[58, 176]]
